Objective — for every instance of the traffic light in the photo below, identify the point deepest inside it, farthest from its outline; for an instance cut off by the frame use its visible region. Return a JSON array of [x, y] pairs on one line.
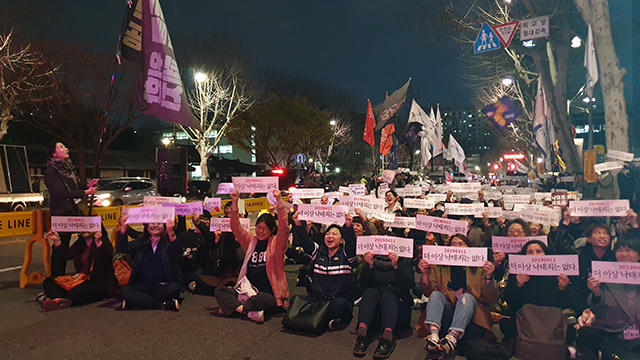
[[277, 171], [496, 167], [512, 167]]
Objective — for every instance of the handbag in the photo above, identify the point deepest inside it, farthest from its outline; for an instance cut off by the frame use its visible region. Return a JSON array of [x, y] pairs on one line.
[[68, 282], [122, 269], [307, 316]]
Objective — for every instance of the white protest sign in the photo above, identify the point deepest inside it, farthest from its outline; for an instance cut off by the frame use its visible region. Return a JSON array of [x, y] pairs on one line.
[[547, 265], [224, 224], [588, 208], [419, 203], [544, 216], [465, 187], [402, 222], [610, 165], [469, 195], [492, 212], [517, 199], [511, 215], [454, 256], [539, 196], [534, 28], [307, 193], [383, 188], [383, 245], [437, 197], [441, 225], [567, 178], [315, 201], [186, 209], [333, 195], [322, 214], [520, 207], [159, 200], [76, 223], [513, 245], [213, 204], [343, 190], [620, 155], [388, 176], [357, 189], [225, 188], [463, 209], [150, 214], [616, 272], [492, 195], [372, 207], [260, 184], [409, 191]]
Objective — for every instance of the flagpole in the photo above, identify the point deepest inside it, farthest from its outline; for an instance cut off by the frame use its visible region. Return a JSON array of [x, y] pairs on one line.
[[590, 113]]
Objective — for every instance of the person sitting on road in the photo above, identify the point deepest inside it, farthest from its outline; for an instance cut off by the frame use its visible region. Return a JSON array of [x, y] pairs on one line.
[[92, 255], [332, 262], [263, 265], [459, 301], [156, 280]]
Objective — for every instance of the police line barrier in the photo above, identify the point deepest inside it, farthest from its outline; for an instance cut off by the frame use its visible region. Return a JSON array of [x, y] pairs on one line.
[[20, 223]]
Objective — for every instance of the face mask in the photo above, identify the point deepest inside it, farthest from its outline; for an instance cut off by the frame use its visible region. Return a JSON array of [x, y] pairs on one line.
[[440, 207]]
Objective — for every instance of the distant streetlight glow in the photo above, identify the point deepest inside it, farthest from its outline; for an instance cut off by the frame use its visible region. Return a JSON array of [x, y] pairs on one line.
[[477, 168], [166, 141], [200, 77], [337, 170], [528, 44], [332, 122], [576, 42], [540, 160], [417, 152], [507, 81]]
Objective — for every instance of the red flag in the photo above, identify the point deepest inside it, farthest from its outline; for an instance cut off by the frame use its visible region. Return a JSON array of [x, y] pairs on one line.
[[369, 126], [386, 138]]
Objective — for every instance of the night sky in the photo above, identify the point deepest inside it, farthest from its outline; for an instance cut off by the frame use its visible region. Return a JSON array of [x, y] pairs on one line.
[[366, 47]]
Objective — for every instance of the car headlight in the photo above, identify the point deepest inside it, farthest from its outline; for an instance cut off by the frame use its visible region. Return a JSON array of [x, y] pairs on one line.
[[104, 196], [105, 203]]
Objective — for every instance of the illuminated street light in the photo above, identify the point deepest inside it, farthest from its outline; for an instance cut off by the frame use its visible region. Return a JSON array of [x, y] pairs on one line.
[[507, 81], [477, 168], [332, 122], [540, 160], [588, 100], [528, 44], [166, 141], [417, 152], [576, 42], [310, 160], [337, 170], [200, 77], [253, 128]]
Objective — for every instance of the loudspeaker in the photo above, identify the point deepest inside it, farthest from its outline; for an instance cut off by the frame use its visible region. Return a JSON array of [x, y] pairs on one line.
[[172, 166]]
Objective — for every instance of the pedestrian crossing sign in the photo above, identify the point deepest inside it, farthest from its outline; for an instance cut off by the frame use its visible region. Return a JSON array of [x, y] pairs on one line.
[[487, 40]]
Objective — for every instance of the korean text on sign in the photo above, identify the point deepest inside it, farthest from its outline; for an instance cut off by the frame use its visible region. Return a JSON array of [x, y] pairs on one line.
[[357, 189], [492, 212], [534, 28], [150, 214], [383, 245], [547, 265], [599, 208], [455, 256], [213, 204], [616, 272], [465, 187], [441, 225], [437, 197], [419, 203], [307, 193], [158, 200], [402, 222], [463, 209], [261, 184], [186, 209], [513, 245], [224, 224], [409, 191], [76, 223], [323, 214], [225, 188]]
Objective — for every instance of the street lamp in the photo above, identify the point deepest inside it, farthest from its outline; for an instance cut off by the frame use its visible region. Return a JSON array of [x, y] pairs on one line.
[[576, 42], [200, 77], [337, 170], [507, 81], [166, 141], [332, 122], [417, 152]]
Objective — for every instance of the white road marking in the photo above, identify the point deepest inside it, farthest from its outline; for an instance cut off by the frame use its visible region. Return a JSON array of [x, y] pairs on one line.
[[10, 269]]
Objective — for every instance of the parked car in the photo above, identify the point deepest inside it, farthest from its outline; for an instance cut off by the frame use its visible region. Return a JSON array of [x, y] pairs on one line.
[[198, 189], [125, 192]]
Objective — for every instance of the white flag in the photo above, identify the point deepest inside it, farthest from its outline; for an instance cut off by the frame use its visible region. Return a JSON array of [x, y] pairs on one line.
[[437, 145], [521, 168], [543, 132], [590, 63], [455, 150], [424, 151]]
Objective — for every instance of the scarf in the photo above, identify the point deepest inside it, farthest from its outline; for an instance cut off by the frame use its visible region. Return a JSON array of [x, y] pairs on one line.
[[458, 278], [65, 168]]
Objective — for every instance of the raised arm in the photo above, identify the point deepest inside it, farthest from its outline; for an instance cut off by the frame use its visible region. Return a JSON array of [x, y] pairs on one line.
[[243, 236], [304, 240], [283, 224]]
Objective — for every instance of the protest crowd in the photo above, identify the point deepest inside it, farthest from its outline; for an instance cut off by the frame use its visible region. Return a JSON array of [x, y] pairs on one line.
[[494, 271]]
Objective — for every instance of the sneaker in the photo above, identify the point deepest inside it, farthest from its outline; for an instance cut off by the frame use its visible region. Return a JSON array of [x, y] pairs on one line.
[[360, 348], [257, 316], [417, 303], [192, 286], [433, 342], [171, 305], [448, 344], [56, 304], [41, 297], [384, 349]]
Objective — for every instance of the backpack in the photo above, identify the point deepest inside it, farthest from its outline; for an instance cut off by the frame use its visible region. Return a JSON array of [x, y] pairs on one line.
[[542, 333]]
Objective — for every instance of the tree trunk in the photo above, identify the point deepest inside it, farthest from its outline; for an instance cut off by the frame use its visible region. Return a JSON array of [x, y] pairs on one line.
[[204, 167], [596, 13]]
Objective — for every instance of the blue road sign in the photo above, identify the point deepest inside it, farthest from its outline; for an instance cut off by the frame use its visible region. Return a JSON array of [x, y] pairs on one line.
[[300, 158], [487, 40]]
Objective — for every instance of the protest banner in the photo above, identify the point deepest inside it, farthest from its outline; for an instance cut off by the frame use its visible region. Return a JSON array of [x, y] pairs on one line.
[[542, 215], [150, 214], [620, 155], [159, 200], [540, 196], [186, 209], [419, 204], [511, 215], [372, 207], [357, 189], [388, 176], [306, 193], [517, 199], [616, 272], [225, 188], [409, 191], [463, 209], [260, 184], [454, 256], [492, 212], [596, 208], [402, 222], [333, 195], [464, 187], [383, 188], [213, 205], [562, 198], [224, 224], [441, 225], [513, 245], [343, 190], [76, 223], [520, 207], [383, 245], [437, 197], [473, 195], [547, 265], [492, 195], [322, 214], [608, 166]]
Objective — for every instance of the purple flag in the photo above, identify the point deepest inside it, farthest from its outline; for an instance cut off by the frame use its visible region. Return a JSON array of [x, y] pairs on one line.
[[502, 113], [163, 92]]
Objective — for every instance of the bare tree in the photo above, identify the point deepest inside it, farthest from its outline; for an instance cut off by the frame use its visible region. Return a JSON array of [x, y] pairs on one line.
[[341, 136], [216, 99], [596, 13], [25, 77]]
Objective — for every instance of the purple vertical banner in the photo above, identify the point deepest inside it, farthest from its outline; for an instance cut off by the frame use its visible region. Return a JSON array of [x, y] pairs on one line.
[[163, 92]]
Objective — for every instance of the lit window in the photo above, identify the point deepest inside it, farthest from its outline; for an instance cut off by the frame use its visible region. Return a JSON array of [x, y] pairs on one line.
[[225, 149]]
